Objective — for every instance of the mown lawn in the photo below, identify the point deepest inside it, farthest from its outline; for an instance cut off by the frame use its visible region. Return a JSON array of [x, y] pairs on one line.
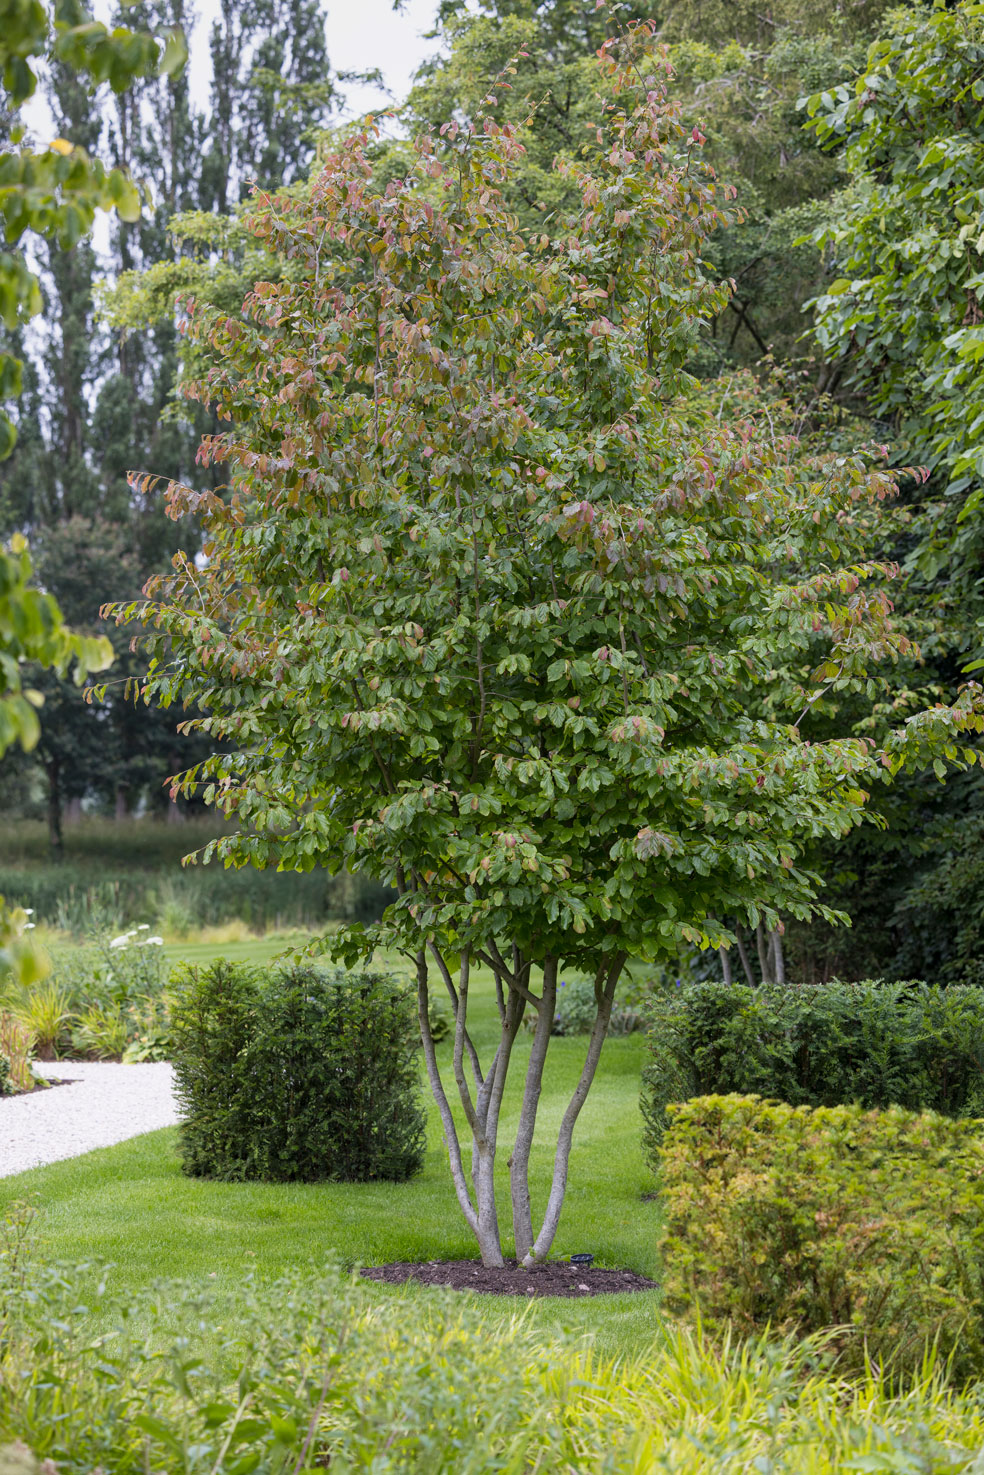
[[132, 1205]]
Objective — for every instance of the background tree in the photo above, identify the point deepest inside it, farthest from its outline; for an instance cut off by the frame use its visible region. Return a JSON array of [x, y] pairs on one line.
[[494, 617], [97, 405], [554, 96], [740, 71], [896, 319], [906, 242], [53, 195]]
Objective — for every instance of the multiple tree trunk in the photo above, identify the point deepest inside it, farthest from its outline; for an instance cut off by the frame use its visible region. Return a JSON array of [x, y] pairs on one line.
[[480, 1091]]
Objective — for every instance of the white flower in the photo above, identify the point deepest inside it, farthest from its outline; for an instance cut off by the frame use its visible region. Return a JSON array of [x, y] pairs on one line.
[[29, 926], [151, 942], [29, 911], [144, 927], [123, 940]]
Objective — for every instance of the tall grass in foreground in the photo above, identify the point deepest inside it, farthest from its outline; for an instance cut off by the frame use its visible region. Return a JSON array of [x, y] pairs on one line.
[[319, 1370], [776, 1408]]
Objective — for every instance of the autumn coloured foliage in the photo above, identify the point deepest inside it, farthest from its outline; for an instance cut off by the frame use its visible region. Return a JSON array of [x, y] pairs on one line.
[[497, 612]]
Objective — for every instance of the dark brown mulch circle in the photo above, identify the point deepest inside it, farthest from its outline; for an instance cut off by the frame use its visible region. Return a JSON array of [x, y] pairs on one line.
[[555, 1278]]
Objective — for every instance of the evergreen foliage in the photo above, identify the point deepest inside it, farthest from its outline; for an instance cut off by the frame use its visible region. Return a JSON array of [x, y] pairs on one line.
[[879, 1044], [296, 1076]]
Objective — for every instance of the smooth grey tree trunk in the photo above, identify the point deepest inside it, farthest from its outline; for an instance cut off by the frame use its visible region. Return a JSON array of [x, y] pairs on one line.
[[481, 1098], [443, 1105], [605, 995], [778, 958], [519, 1163]]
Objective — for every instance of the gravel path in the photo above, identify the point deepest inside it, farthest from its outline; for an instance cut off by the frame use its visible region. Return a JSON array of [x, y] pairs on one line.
[[103, 1105]]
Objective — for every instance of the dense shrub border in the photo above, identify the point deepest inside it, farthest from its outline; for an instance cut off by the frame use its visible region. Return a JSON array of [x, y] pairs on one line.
[[296, 1074], [879, 1044], [865, 1223]]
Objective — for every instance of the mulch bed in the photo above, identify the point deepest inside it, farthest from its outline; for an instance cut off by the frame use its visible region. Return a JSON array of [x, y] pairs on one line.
[[555, 1278]]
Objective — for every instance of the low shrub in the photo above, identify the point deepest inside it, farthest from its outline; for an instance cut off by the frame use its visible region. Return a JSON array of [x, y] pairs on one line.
[[299, 1074], [878, 1044], [103, 1001], [868, 1225], [44, 1010], [577, 1009], [297, 1377], [439, 1020], [100, 1032]]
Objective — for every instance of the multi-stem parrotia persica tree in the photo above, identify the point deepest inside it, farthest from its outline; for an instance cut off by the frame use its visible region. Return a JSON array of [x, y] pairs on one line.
[[494, 616]]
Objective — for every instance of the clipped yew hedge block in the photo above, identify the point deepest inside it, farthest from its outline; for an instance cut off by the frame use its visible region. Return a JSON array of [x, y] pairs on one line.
[[296, 1074], [881, 1044], [869, 1224]]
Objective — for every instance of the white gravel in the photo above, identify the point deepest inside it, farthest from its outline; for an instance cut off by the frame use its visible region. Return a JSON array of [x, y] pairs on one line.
[[104, 1104]]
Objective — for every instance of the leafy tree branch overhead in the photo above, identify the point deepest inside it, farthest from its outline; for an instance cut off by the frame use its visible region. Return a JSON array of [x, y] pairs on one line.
[[904, 301], [31, 629]]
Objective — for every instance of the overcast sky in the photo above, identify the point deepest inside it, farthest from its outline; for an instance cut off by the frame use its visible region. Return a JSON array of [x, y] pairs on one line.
[[362, 34], [367, 33]]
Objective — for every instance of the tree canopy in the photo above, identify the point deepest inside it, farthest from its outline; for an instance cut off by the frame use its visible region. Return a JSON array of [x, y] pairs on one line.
[[905, 306], [495, 612]]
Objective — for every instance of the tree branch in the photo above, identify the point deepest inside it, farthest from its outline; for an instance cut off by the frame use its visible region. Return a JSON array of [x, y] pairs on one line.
[[519, 1163], [440, 1096], [445, 973], [558, 1186]]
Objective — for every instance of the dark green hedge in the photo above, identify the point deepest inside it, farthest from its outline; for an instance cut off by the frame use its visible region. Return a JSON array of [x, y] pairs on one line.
[[296, 1075], [868, 1226], [879, 1044]]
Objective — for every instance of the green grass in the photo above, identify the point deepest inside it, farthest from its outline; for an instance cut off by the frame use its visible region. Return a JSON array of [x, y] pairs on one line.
[[132, 1205], [238, 950]]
